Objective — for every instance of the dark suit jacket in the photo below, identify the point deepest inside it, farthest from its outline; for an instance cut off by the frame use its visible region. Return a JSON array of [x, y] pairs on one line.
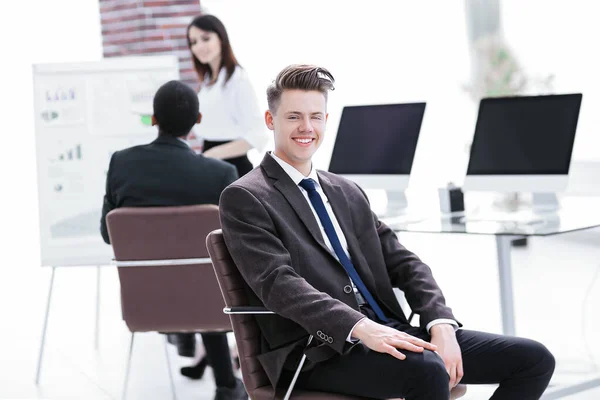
[[165, 172], [276, 242]]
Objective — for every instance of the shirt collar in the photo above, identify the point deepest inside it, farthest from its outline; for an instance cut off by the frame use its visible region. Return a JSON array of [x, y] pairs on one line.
[[293, 173]]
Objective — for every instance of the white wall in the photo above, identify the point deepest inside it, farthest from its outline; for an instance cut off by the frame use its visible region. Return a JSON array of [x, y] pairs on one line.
[[35, 31], [560, 37]]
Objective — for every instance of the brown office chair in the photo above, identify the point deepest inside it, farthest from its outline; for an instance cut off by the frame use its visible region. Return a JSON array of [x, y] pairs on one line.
[[247, 332], [245, 328], [167, 281]]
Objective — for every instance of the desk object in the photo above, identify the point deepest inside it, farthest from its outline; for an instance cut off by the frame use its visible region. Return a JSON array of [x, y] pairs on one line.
[[451, 199]]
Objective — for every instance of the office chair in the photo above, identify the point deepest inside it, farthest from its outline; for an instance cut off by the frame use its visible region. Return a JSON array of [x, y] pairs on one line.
[[167, 281]]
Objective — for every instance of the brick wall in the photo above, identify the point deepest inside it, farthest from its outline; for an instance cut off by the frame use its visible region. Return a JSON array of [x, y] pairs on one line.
[[133, 27]]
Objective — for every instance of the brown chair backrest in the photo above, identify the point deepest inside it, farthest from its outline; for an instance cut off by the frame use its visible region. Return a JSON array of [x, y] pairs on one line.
[[245, 328], [174, 298]]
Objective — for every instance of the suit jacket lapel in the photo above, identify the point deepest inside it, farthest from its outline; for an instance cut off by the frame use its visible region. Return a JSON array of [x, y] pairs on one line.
[[342, 212], [284, 184]]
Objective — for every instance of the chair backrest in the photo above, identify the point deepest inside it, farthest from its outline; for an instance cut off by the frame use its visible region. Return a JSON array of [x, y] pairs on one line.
[[169, 298], [245, 328]]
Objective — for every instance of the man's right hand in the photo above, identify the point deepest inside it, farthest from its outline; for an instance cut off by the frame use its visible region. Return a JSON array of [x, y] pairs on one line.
[[384, 339]]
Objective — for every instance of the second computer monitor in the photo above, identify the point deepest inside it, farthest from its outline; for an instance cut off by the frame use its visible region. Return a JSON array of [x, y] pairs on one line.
[[375, 145], [523, 144]]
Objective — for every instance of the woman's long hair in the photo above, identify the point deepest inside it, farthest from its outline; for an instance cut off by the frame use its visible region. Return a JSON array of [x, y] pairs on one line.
[[210, 23]]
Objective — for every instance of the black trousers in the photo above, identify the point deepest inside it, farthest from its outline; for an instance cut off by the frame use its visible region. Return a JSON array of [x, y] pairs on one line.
[[217, 355], [522, 367], [242, 163]]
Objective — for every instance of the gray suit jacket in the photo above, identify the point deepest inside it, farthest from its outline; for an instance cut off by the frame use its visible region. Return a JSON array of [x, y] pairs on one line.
[[276, 243]]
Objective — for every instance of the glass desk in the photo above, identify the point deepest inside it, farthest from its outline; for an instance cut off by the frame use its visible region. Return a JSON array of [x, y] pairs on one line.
[[575, 214]]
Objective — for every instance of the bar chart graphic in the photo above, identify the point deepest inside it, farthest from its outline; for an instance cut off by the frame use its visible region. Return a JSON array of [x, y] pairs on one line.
[[70, 154]]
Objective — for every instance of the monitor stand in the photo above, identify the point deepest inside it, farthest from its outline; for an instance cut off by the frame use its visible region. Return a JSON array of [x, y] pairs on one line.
[[536, 208], [396, 203], [545, 202], [536, 202]]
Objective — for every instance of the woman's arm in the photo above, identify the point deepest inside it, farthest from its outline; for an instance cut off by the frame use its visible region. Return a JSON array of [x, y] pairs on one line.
[[235, 148]]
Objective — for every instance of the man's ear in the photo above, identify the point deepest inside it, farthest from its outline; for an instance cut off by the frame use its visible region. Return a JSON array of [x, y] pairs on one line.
[[154, 121], [269, 120], [199, 118]]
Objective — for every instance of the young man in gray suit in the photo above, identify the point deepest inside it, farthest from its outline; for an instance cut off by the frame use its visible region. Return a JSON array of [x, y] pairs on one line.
[[167, 172], [312, 251]]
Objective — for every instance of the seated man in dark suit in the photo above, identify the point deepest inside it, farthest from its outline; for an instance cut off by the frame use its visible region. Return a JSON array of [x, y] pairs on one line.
[[167, 172], [312, 251]]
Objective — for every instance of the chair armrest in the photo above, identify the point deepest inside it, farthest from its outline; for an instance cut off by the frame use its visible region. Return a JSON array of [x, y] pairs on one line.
[[263, 310], [247, 310], [161, 263]]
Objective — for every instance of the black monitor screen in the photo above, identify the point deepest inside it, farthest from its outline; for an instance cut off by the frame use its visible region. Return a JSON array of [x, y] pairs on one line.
[[377, 140], [530, 135]]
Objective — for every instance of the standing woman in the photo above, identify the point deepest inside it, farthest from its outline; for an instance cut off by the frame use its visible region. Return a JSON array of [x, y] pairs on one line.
[[232, 125], [232, 122]]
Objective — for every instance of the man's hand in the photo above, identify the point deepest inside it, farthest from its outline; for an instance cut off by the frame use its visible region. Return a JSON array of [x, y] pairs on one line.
[[384, 339], [444, 337]]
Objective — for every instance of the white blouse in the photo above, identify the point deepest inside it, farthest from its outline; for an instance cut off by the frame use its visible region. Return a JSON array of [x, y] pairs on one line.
[[231, 111]]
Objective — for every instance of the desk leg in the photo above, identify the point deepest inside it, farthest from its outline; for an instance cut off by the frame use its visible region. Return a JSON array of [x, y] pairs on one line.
[[97, 330], [503, 243]]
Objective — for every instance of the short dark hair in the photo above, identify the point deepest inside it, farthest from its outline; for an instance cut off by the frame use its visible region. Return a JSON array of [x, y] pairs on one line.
[[176, 109], [299, 76]]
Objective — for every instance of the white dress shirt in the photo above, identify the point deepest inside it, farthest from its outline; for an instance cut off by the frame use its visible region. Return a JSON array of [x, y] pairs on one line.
[[230, 111], [297, 177]]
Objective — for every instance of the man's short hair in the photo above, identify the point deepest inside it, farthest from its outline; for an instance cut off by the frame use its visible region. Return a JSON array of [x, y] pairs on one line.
[[176, 109], [302, 77]]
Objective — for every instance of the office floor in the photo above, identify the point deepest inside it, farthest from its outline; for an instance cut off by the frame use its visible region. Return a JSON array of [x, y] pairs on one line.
[[556, 303]]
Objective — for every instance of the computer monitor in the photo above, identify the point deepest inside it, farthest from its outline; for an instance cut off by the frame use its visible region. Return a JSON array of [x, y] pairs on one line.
[[375, 147], [523, 144]]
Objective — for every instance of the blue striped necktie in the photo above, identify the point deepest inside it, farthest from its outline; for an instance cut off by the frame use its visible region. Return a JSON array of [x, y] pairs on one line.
[[319, 206]]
